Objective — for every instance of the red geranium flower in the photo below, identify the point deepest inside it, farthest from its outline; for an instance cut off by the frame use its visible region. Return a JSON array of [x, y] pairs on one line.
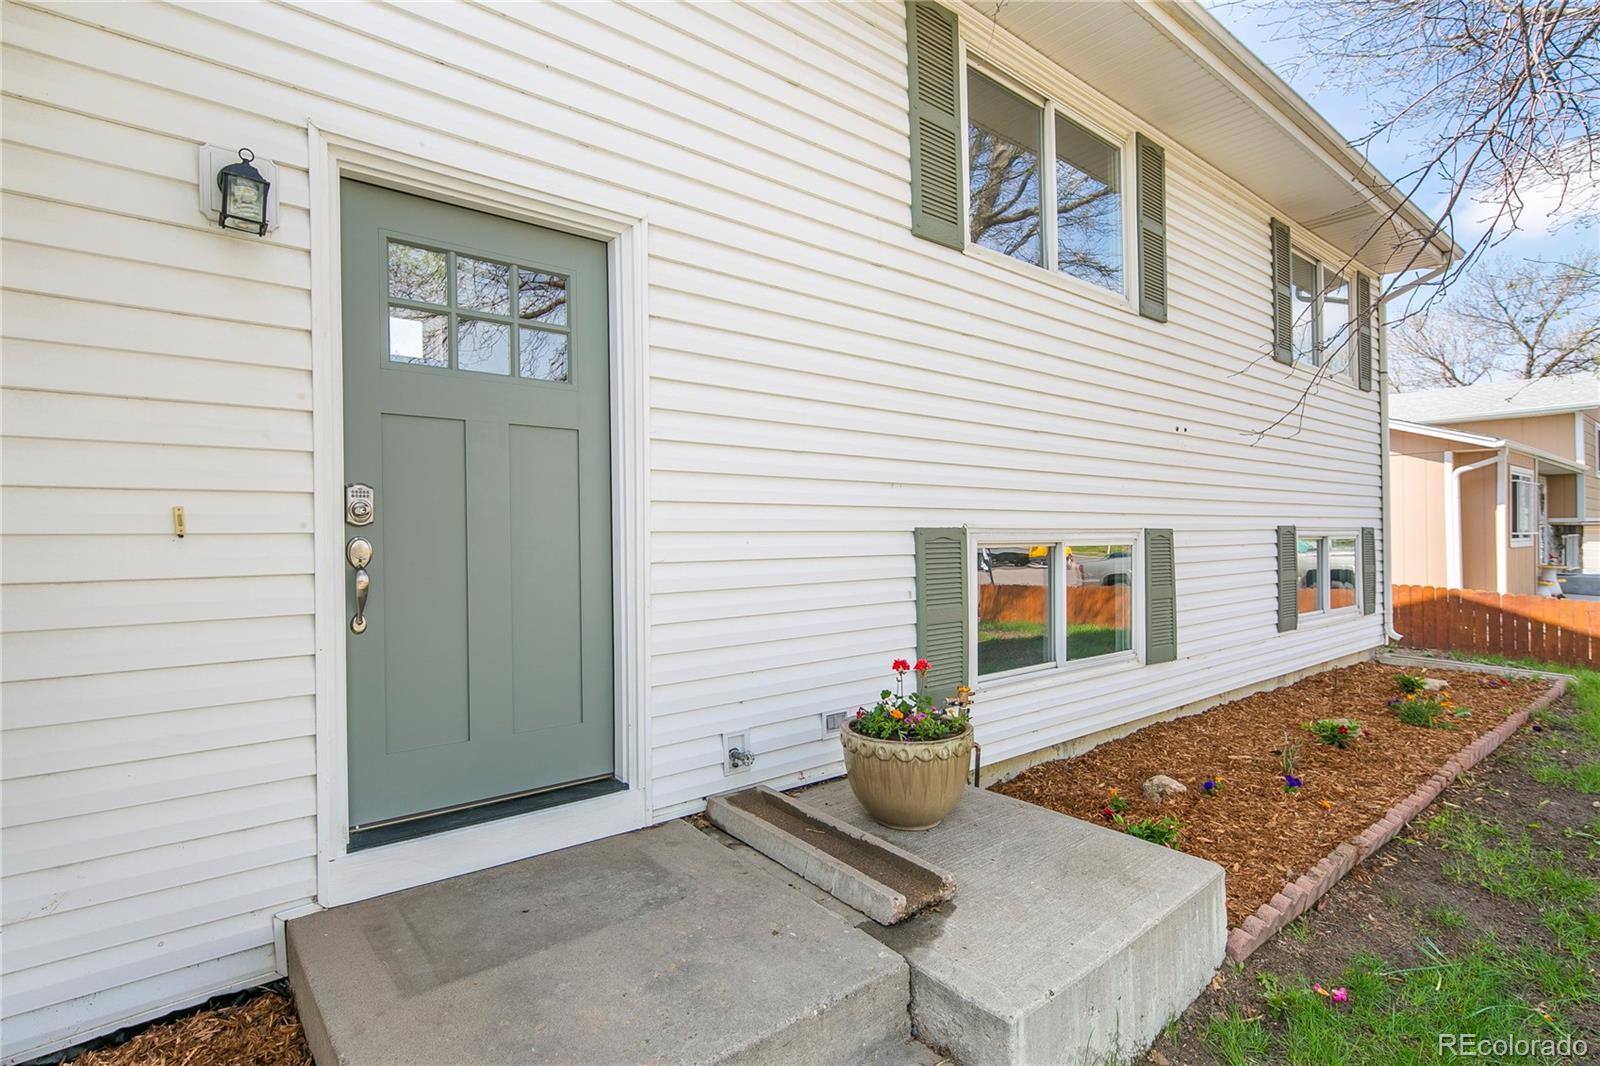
[[1344, 729], [899, 666], [921, 665]]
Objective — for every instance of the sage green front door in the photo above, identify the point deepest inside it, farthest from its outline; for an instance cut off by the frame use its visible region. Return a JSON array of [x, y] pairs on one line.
[[477, 408]]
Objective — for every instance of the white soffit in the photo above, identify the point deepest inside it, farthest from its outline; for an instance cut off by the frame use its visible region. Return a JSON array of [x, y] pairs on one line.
[[1225, 106]]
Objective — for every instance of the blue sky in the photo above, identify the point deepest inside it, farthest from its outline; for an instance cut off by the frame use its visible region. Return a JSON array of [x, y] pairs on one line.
[[1351, 115]]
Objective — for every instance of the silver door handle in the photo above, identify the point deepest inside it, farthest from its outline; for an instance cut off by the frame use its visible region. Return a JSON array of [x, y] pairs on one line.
[[359, 553]]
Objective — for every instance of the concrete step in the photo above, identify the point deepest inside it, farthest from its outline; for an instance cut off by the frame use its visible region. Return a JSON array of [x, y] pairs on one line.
[[886, 883], [655, 946], [1065, 942]]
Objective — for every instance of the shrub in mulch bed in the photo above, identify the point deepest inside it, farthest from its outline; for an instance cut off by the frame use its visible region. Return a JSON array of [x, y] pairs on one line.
[[263, 1030], [1262, 834]]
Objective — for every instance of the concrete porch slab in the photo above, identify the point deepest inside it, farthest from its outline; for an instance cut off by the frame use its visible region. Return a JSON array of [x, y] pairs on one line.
[[1065, 942], [655, 946]]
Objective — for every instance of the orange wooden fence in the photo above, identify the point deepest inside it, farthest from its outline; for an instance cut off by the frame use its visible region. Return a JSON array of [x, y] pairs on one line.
[[1092, 605], [1533, 627]]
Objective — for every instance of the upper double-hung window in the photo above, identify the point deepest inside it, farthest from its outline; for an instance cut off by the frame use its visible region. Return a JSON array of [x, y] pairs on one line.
[[1042, 187], [1324, 326]]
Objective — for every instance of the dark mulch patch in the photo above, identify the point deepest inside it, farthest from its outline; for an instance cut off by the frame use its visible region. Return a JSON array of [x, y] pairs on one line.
[[1386, 906], [263, 1030], [1261, 835]]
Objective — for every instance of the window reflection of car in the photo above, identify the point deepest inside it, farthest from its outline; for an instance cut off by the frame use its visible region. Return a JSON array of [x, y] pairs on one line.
[[1337, 578], [989, 559], [1111, 569]]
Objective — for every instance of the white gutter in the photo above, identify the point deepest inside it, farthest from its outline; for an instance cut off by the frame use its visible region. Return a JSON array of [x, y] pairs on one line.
[[1502, 524], [1452, 516], [1384, 477], [1408, 286]]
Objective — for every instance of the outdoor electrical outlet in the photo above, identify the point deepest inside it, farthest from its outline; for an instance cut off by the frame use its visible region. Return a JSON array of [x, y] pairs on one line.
[[832, 723], [736, 753]]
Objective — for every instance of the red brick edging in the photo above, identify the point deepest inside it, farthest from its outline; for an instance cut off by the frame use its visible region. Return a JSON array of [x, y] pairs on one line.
[[1296, 897]]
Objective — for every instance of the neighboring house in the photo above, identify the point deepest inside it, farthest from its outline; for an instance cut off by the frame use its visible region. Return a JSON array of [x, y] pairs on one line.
[[689, 400], [1491, 481]]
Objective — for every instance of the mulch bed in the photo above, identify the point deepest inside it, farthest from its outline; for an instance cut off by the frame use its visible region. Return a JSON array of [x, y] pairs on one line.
[[1262, 836], [262, 1031]]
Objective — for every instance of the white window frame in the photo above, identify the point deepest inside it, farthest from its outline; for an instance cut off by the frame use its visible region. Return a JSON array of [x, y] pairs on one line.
[[1057, 603], [1524, 476], [1324, 540], [1122, 139], [1319, 343]]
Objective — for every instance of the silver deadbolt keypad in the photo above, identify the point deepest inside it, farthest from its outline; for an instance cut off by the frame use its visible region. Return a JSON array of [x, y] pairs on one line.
[[359, 504]]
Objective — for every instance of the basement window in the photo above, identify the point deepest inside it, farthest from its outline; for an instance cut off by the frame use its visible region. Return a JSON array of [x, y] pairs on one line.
[[1328, 574], [1041, 606]]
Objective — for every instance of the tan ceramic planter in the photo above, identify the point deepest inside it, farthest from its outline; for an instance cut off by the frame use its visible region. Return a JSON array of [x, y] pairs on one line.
[[907, 784]]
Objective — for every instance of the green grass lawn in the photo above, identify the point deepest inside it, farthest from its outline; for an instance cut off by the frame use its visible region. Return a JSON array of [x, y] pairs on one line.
[[1522, 855]]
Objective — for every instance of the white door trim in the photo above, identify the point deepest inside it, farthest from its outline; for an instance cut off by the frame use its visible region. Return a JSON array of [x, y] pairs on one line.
[[343, 876]]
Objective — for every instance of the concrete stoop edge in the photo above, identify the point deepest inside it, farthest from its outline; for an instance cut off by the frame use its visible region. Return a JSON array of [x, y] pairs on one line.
[[1299, 895]]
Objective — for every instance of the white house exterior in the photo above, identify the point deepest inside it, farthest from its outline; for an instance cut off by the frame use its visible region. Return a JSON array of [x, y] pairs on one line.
[[797, 383]]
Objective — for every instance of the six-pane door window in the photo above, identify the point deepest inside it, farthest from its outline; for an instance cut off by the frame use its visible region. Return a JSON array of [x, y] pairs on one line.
[[1040, 605], [449, 309], [1013, 170]]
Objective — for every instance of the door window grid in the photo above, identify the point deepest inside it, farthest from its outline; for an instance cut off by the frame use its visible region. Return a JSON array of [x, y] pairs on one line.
[[448, 309]]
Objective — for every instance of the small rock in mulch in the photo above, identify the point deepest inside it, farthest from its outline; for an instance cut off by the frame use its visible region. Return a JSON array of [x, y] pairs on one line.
[[1161, 788], [264, 1031], [1260, 834]]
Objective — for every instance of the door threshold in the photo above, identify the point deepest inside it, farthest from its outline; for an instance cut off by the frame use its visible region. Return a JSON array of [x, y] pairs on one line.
[[460, 817]]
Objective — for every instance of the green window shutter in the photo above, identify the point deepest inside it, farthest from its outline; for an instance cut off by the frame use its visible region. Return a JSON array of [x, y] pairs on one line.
[[1364, 331], [934, 68], [1160, 598], [1282, 298], [1288, 579], [942, 609], [1369, 570], [1152, 203]]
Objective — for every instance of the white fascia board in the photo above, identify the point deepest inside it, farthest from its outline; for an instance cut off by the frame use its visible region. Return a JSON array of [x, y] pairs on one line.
[[1425, 429]]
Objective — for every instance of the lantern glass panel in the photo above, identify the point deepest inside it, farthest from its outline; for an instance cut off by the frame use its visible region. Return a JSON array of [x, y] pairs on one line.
[[244, 198]]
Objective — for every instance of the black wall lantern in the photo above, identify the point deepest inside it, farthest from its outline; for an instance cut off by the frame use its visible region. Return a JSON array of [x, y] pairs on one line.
[[244, 195]]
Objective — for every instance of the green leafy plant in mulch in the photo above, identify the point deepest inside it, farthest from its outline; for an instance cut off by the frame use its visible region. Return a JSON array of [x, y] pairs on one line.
[[1436, 711], [1410, 684], [1163, 830], [1116, 803], [1339, 732]]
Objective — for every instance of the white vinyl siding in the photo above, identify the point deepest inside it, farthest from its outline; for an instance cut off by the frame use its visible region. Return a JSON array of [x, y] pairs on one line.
[[822, 383]]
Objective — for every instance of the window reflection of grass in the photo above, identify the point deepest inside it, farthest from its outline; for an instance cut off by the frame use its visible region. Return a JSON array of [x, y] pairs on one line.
[[1014, 645], [1006, 646]]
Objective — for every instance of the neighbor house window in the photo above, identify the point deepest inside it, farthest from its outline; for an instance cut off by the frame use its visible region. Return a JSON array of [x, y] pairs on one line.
[[1042, 605], [1323, 329], [1328, 574], [1054, 200], [1524, 506]]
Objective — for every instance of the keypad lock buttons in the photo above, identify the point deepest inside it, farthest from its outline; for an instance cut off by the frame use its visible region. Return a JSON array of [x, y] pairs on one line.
[[359, 504]]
